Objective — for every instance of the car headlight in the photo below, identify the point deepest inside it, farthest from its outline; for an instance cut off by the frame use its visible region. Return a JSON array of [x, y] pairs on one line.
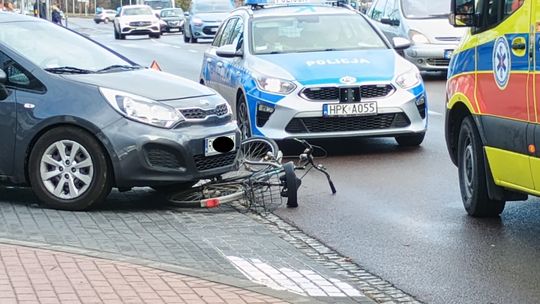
[[417, 37], [197, 21], [275, 85], [142, 109], [409, 79]]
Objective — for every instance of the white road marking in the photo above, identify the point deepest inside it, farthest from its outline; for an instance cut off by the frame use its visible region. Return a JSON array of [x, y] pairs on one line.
[[303, 282]]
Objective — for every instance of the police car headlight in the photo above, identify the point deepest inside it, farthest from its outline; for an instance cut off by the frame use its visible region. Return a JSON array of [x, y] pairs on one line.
[[417, 37], [142, 109], [409, 79], [275, 85]]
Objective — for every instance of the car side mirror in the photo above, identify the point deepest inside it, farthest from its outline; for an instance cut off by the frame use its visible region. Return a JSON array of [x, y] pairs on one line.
[[401, 43], [186, 14], [229, 51], [392, 22], [463, 13], [3, 90]]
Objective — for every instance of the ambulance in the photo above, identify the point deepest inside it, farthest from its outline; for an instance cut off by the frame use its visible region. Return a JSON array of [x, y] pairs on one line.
[[493, 103]]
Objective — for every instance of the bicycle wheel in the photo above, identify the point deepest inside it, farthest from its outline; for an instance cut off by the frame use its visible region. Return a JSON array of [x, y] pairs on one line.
[[290, 185], [258, 150], [208, 195]]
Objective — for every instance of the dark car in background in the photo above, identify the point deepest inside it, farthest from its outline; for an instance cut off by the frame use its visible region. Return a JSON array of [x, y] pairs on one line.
[[172, 19], [72, 129], [204, 18]]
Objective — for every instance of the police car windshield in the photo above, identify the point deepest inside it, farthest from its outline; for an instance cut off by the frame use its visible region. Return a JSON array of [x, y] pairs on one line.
[[212, 6], [426, 9], [313, 33]]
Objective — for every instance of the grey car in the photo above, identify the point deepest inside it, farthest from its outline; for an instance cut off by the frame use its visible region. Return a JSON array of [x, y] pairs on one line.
[[172, 19], [72, 129], [204, 18], [425, 24]]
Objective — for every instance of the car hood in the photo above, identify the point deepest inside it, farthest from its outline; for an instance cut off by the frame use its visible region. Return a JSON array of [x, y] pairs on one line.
[[437, 30], [172, 18], [211, 17], [138, 18], [330, 67], [148, 83]]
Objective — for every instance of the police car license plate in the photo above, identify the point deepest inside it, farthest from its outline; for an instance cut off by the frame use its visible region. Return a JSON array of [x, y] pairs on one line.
[[209, 149], [448, 54], [350, 109]]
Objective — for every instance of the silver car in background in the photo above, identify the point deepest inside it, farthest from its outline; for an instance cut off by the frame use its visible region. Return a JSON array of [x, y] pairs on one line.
[[105, 16], [425, 23]]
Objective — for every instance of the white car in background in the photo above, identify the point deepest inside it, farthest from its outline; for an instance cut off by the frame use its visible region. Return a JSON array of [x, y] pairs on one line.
[[136, 20]]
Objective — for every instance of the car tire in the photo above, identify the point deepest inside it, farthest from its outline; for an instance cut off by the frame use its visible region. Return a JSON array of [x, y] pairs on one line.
[[86, 172], [96, 21], [410, 140], [186, 38], [157, 36], [242, 117], [116, 35], [472, 173], [122, 36], [194, 40]]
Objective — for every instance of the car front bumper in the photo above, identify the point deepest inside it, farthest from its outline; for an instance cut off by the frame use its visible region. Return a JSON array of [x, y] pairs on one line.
[[207, 30], [400, 113], [143, 155], [430, 57], [143, 30], [173, 26]]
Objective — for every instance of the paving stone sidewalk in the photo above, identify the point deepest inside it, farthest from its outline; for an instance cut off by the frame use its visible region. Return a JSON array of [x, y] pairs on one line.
[[215, 242], [29, 275]]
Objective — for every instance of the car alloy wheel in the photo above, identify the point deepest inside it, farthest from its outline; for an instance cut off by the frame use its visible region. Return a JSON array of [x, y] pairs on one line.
[[66, 169]]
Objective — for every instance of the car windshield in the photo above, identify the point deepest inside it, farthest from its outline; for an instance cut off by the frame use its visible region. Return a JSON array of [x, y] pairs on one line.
[[313, 33], [157, 5], [134, 11], [212, 6], [50, 46], [172, 13], [425, 9]]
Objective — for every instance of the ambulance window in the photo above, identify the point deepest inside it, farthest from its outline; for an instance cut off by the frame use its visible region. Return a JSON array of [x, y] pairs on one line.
[[494, 12], [378, 10], [510, 6]]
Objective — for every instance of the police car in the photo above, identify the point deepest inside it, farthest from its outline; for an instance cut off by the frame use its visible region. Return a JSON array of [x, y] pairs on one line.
[[313, 70]]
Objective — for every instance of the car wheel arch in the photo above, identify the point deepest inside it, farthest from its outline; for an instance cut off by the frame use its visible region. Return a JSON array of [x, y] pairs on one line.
[[455, 117], [92, 131]]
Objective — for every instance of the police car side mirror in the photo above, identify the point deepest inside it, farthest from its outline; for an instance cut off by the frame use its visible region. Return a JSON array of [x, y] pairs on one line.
[[401, 43], [3, 91], [463, 13], [228, 51]]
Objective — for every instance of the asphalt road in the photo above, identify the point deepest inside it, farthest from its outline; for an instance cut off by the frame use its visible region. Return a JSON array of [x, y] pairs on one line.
[[397, 211]]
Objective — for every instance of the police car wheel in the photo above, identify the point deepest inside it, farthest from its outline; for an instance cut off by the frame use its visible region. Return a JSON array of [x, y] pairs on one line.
[[243, 117], [472, 173], [410, 140], [186, 38]]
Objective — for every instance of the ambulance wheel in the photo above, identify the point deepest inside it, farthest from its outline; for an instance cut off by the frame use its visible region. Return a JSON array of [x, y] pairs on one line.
[[242, 117], [472, 173], [410, 140]]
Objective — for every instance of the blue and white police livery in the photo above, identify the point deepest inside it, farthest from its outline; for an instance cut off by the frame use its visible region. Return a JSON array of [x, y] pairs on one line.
[[314, 71]]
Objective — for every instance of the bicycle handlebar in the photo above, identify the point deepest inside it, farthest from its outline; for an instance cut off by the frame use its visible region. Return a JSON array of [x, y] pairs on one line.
[[308, 156]]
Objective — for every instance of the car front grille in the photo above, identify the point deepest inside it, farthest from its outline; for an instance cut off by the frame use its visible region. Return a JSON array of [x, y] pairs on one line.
[[216, 161], [198, 113], [210, 30], [332, 93], [344, 124], [438, 62], [140, 23]]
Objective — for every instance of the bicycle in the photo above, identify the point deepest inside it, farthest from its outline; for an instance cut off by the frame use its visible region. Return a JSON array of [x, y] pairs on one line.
[[261, 173]]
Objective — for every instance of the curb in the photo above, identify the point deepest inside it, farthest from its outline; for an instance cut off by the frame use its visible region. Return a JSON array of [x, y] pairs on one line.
[[205, 275]]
